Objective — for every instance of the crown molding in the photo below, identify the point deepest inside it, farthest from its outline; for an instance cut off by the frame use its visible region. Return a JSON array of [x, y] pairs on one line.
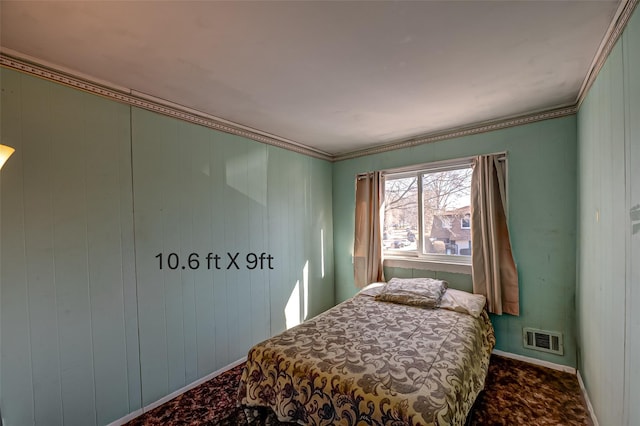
[[463, 131], [617, 26], [85, 83], [154, 104]]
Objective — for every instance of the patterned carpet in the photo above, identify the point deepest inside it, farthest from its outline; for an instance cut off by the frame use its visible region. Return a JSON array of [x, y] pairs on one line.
[[516, 393]]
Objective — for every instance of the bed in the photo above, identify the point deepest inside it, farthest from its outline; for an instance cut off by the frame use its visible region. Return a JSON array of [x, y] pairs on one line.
[[370, 362]]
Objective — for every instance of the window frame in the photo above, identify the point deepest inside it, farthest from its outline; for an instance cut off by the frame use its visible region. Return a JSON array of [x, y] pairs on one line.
[[418, 254]]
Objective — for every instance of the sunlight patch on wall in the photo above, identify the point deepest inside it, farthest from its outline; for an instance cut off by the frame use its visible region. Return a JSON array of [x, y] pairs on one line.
[[292, 309], [305, 287], [322, 251], [297, 308], [238, 170]]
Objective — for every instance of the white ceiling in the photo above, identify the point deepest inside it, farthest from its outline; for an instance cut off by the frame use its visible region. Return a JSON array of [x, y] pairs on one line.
[[336, 76]]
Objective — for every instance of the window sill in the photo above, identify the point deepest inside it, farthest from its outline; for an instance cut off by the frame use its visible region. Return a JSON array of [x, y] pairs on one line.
[[429, 265]]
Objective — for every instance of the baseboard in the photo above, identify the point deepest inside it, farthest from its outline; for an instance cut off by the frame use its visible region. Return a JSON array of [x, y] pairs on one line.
[[592, 413], [536, 361], [121, 421], [127, 418]]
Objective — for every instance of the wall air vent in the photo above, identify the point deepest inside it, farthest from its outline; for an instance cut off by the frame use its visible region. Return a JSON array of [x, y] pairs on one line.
[[542, 340]]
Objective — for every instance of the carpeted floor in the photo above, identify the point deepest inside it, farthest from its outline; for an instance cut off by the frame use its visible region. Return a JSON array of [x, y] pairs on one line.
[[519, 393], [516, 393]]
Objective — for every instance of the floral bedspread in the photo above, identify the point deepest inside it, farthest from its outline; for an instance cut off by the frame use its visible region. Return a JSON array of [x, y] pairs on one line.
[[366, 362]]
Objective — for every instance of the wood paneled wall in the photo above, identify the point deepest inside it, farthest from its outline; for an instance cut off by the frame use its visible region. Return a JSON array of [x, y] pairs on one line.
[[68, 309], [90, 328], [199, 192], [608, 293]]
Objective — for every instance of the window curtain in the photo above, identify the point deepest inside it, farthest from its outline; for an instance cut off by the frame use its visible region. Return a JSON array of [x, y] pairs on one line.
[[367, 249], [494, 271]]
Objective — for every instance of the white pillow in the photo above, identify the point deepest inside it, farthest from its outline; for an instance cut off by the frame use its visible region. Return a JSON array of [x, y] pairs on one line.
[[461, 301], [372, 289]]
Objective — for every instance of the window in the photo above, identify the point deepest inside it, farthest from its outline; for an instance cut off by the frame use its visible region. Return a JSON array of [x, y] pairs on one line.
[[427, 213], [466, 221]]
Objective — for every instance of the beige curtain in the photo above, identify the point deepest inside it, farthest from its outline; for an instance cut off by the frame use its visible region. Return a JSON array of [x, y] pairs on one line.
[[367, 248], [494, 271]]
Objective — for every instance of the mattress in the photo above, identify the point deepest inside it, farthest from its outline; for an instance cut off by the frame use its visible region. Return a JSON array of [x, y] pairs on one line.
[[366, 362]]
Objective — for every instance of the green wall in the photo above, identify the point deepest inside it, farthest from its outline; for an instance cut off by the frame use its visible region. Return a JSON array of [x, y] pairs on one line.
[[542, 211], [199, 191], [68, 320], [608, 249], [91, 328]]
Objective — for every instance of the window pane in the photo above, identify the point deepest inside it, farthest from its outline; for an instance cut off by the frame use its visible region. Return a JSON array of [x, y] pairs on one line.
[[400, 230], [446, 212]]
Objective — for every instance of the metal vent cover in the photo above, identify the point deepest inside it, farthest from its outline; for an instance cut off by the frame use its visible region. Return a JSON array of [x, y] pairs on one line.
[[543, 340]]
